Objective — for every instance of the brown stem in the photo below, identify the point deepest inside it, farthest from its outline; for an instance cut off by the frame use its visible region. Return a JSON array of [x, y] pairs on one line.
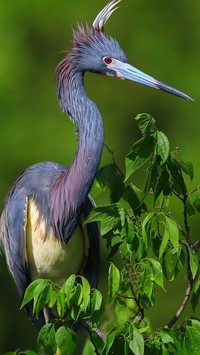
[[181, 308]]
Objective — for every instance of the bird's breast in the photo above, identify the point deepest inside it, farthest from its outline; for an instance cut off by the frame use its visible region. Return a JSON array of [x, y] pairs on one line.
[[46, 256]]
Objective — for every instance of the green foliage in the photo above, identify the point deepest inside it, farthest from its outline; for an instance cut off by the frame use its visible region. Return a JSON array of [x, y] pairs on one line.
[[152, 248], [19, 352]]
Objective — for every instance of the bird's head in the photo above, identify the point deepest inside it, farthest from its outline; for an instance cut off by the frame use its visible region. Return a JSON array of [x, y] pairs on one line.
[[94, 51]]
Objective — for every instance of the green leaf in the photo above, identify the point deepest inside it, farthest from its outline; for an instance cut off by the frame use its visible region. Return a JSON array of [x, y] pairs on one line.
[[88, 348], [109, 176], [134, 197], [196, 286], [96, 189], [125, 250], [169, 260], [157, 179], [176, 176], [196, 294], [189, 206], [75, 312], [18, 352], [117, 239], [67, 288], [194, 262], [130, 230], [146, 123], [146, 228], [162, 146], [196, 200], [65, 341], [167, 336], [173, 231], [186, 166], [61, 304], [192, 338], [96, 300], [196, 203], [147, 281], [86, 292], [41, 299], [113, 282], [33, 290], [107, 215], [164, 242], [139, 155], [115, 184], [78, 295], [181, 259], [158, 273], [53, 295], [109, 343], [137, 343], [46, 340], [162, 183], [140, 248]]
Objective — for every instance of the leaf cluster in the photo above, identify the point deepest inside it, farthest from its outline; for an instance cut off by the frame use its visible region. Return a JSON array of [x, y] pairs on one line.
[[152, 246], [139, 226], [75, 306]]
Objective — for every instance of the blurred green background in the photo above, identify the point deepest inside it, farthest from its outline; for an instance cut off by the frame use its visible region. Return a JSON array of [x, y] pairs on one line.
[[160, 37]]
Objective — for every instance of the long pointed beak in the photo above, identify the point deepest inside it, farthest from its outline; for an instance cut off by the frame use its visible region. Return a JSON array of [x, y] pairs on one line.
[[126, 71]]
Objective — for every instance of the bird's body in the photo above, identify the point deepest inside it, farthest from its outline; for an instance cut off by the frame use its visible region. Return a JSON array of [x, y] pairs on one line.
[[53, 262], [41, 254], [40, 228]]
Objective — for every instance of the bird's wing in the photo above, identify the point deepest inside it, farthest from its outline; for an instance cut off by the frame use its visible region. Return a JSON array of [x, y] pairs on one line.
[[12, 227], [91, 269], [13, 242]]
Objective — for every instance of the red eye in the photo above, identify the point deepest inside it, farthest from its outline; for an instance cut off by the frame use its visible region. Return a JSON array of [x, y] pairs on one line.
[[107, 60]]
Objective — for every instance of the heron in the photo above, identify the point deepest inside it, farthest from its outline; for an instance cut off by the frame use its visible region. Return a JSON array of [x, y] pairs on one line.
[[41, 227]]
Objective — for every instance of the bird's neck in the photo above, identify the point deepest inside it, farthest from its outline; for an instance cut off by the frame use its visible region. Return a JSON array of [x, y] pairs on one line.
[[71, 189]]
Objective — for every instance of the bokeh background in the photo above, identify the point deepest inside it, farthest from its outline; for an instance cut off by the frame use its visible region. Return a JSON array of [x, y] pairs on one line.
[[160, 37]]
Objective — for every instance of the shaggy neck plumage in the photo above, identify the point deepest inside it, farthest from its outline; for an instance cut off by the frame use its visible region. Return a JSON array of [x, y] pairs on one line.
[[71, 189]]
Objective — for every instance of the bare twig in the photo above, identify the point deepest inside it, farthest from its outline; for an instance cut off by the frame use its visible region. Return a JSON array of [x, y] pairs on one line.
[[196, 246], [125, 297], [113, 159]]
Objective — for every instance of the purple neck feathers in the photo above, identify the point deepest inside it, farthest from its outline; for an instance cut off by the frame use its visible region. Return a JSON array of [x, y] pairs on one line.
[[70, 190]]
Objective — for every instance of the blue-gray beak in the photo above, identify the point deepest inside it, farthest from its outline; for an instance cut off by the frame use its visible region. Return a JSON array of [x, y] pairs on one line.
[[126, 71]]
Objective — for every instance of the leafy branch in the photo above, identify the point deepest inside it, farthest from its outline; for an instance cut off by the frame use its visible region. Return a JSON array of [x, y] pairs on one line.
[[152, 245], [154, 229]]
